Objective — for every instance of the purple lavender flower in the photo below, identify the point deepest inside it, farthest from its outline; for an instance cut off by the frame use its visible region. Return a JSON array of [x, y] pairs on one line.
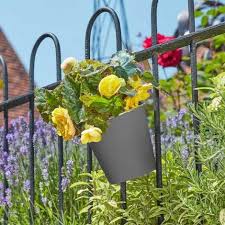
[[76, 141], [8, 195], [65, 183], [15, 164], [3, 159], [44, 170], [44, 200], [176, 129], [1, 186], [5, 198], [10, 137], [45, 174], [24, 150], [11, 168], [26, 185], [185, 154], [69, 167]]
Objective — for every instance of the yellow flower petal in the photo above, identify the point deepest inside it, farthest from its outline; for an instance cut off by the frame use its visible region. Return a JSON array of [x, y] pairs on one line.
[[93, 134], [131, 102], [135, 82], [110, 85], [63, 123], [142, 94]]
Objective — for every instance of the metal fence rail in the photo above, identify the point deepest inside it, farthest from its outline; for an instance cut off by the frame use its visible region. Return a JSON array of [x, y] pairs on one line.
[[188, 40]]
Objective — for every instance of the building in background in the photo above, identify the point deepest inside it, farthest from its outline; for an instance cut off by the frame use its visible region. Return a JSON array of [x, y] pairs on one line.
[[17, 75]]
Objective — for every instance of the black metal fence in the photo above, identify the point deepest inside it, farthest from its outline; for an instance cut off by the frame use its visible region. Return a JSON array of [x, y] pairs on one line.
[[190, 40]]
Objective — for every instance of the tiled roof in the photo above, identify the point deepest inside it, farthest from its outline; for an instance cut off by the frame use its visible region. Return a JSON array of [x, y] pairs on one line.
[[17, 75]]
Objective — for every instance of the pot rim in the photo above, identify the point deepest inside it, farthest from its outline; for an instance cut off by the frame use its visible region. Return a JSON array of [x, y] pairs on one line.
[[126, 112]]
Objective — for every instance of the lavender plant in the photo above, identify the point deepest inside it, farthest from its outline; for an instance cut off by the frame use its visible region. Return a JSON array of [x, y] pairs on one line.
[[15, 166]]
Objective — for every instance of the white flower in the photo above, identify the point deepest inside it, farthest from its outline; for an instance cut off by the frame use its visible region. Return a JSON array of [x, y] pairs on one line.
[[215, 104], [68, 64]]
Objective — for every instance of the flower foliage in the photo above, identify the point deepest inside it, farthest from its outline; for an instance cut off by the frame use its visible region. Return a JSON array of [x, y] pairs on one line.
[[167, 59], [93, 92]]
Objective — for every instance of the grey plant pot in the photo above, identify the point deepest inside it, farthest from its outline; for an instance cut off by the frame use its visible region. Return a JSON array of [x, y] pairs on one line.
[[126, 151]]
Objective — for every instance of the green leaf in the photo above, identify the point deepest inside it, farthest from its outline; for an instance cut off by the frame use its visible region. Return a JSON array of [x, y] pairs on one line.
[[124, 64], [89, 68], [198, 13], [116, 105], [80, 183], [96, 102], [121, 72], [116, 220], [85, 209], [131, 69], [148, 77], [219, 41], [97, 119], [221, 9], [126, 91], [71, 101], [212, 12], [46, 101], [204, 21]]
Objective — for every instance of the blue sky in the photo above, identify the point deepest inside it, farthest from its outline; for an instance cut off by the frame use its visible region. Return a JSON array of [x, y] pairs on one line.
[[23, 21]]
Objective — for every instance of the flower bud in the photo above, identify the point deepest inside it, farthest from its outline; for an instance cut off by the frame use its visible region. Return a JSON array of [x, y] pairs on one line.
[[68, 64]]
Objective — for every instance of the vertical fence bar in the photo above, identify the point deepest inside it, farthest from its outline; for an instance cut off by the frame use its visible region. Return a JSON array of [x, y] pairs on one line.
[[31, 126], [6, 128], [158, 151], [194, 76], [31, 133], [60, 139], [88, 56]]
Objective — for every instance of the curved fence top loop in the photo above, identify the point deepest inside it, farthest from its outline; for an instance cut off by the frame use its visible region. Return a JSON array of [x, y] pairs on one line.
[[154, 10], [116, 21], [33, 56], [5, 77]]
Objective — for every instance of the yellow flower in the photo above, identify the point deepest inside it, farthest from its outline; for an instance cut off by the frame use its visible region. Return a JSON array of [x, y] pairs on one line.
[[93, 134], [63, 123], [68, 64], [143, 92], [135, 82], [141, 95], [110, 85], [131, 102]]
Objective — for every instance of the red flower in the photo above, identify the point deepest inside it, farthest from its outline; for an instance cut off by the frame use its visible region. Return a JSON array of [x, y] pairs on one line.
[[167, 59]]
